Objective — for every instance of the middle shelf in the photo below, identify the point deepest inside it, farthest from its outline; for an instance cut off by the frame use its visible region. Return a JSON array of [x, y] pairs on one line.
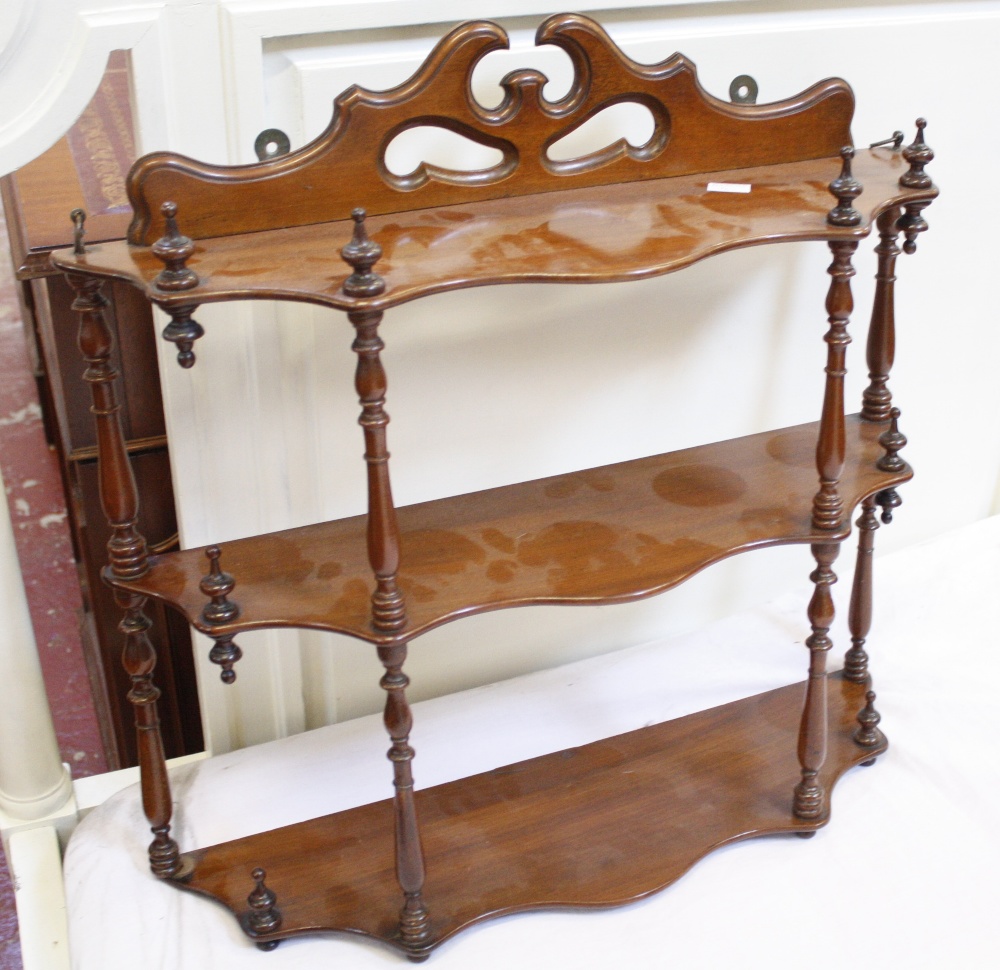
[[603, 535]]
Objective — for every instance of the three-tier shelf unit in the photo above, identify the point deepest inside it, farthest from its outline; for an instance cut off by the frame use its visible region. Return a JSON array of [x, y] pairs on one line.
[[614, 820]]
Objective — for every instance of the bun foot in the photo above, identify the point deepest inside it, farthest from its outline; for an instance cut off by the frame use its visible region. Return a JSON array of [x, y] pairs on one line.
[[868, 763], [805, 835], [269, 945]]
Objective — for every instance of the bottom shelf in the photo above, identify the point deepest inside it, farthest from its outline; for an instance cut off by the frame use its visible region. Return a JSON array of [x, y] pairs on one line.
[[598, 825]]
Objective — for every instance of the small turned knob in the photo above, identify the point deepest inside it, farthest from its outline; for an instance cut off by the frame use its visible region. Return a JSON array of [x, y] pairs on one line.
[[918, 154], [893, 440], [217, 585], [361, 254], [845, 188], [867, 734], [264, 916], [78, 217], [173, 249]]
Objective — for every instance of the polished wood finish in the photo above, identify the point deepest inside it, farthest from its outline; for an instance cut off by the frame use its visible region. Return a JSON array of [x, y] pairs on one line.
[[128, 560], [603, 535], [614, 820], [693, 132], [617, 232], [624, 825], [86, 170], [881, 351], [859, 618]]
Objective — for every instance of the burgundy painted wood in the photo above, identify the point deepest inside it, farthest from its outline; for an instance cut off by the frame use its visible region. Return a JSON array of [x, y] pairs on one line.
[[612, 534]]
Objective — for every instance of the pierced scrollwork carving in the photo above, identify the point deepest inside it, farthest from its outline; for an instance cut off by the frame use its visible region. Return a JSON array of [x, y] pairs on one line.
[[692, 132]]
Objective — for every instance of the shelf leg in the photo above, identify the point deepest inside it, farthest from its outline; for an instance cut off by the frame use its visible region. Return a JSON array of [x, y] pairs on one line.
[[877, 399], [859, 618], [139, 659], [809, 794], [128, 559], [414, 925]]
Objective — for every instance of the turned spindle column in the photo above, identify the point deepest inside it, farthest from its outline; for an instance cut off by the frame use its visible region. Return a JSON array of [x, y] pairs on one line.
[[828, 509], [828, 506], [881, 351], [388, 607], [859, 618], [810, 797], [128, 560]]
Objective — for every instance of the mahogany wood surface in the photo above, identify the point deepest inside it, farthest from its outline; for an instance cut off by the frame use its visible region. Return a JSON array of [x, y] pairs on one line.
[[597, 825], [612, 233], [620, 818], [692, 132], [607, 534]]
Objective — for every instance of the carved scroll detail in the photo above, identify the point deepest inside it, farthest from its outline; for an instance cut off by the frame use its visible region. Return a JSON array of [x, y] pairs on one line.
[[693, 132]]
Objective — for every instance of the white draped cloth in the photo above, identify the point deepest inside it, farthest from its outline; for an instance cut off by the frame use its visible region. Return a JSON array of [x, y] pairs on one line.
[[905, 875]]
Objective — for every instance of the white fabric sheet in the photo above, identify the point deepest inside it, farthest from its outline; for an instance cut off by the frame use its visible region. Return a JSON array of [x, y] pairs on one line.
[[905, 875]]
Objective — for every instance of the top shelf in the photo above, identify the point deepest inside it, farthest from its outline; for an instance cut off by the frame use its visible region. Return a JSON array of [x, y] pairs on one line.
[[590, 235], [275, 230]]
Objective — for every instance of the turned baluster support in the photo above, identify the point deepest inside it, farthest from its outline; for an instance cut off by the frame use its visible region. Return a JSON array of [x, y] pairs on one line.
[[828, 506], [128, 560], [414, 923], [859, 617], [388, 607], [881, 350], [810, 797]]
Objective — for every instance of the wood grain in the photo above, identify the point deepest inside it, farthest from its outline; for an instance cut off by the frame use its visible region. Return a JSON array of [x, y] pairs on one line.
[[607, 534], [597, 825], [613, 233], [693, 132]]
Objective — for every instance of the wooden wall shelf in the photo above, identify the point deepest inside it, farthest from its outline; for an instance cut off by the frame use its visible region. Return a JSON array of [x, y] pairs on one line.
[[620, 818]]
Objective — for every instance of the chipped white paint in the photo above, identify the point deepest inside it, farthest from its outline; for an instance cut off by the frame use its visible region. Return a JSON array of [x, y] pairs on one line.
[[53, 518]]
